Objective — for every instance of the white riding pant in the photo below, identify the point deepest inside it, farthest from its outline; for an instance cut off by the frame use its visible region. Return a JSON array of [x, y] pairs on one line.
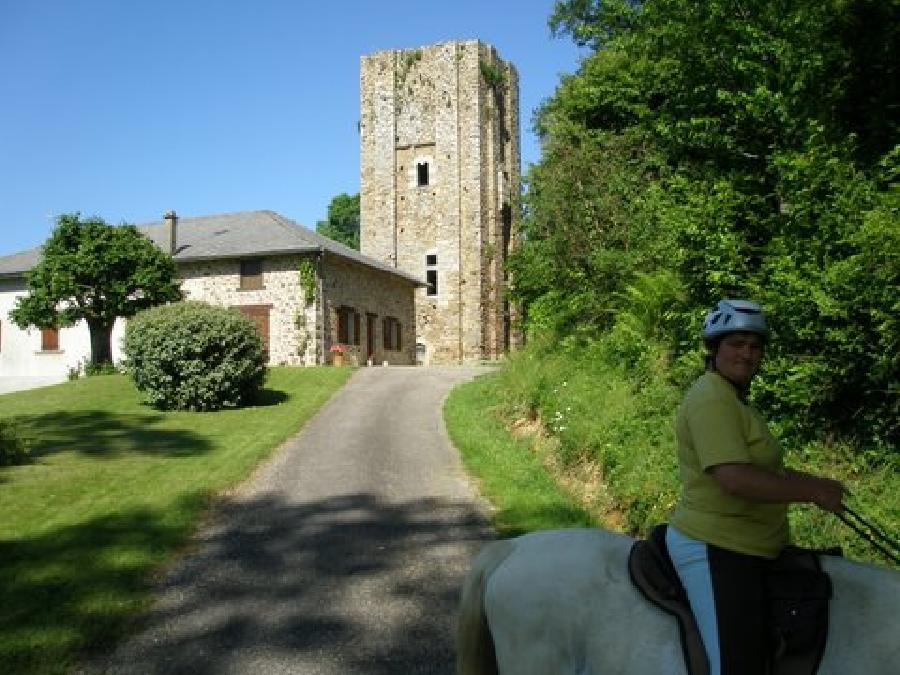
[[689, 556]]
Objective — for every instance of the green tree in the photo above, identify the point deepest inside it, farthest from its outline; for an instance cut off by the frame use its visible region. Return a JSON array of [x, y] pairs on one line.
[[94, 272], [729, 149], [342, 223]]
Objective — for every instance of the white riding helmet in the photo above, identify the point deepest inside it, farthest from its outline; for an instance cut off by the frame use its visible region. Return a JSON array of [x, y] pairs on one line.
[[732, 316]]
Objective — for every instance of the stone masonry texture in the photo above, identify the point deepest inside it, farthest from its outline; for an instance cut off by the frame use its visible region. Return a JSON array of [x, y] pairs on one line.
[[440, 180], [302, 333]]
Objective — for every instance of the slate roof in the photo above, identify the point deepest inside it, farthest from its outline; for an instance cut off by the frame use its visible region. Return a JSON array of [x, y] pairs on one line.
[[229, 235]]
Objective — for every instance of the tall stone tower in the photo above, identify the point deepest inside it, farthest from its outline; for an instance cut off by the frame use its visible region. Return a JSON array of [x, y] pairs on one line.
[[440, 181]]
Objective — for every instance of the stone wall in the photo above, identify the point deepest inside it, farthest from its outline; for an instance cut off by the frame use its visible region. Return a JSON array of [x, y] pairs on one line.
[[453, 107], [369, 293], [292, 323]]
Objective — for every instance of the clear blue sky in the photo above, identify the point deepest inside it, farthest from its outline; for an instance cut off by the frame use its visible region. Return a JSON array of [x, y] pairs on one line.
[[128, 108]]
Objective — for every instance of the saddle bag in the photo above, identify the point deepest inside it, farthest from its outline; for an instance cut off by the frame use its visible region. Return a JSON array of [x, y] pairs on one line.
[[798, 592]]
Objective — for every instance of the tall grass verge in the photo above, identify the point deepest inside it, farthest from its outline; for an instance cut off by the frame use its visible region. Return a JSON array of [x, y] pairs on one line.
[[610, 403], [524, 495]]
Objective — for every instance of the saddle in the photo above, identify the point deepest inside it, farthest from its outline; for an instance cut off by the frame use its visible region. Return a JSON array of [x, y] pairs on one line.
[[798, 592]]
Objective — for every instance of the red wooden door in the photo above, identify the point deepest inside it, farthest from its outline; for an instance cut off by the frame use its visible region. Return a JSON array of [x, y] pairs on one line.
[[259, 314]]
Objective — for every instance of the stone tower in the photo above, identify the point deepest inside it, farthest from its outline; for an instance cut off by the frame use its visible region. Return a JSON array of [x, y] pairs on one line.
[[440, 181]]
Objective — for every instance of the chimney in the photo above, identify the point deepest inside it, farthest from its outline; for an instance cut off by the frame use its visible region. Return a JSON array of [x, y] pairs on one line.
[[172, 231]]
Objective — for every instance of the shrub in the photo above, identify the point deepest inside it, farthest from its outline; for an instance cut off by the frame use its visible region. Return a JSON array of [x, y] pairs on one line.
[[13, 446], [92, 368], [194, 356]]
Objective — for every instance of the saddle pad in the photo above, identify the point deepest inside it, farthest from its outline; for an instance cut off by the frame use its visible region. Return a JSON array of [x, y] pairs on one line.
[[652, 574]]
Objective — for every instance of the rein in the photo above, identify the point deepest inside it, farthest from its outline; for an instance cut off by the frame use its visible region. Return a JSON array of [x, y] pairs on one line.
[[871, 533]]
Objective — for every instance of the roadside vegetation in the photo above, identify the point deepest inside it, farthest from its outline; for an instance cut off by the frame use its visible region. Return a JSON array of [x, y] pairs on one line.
[[111, 492], [562, 437], [706, 151]]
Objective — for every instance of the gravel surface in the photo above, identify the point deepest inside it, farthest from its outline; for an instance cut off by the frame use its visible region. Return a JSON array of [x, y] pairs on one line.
[[343, 554]]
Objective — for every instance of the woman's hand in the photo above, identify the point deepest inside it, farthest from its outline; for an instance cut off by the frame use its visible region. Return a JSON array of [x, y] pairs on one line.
[[756, 484], [825, 493]]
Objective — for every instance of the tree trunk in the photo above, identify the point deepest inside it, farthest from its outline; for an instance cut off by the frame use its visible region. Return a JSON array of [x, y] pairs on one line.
[[101, 341]]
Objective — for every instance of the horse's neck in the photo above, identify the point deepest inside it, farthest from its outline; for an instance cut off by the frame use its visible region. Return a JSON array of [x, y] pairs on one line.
[[863, 617]]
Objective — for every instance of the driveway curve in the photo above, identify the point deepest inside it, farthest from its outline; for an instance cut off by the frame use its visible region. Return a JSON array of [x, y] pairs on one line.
[[343, 554]]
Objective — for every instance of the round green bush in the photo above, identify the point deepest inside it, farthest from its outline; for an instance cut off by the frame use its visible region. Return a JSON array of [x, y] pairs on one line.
[[194, 356], [13, 445]]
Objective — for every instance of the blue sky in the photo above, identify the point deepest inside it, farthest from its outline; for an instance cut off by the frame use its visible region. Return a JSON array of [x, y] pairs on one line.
[[128, 108]]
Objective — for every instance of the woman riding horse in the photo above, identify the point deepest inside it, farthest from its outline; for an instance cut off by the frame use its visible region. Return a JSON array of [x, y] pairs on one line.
[[731, 519]]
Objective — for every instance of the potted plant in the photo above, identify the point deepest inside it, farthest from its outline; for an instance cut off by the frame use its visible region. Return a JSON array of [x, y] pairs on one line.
[[337, 354]]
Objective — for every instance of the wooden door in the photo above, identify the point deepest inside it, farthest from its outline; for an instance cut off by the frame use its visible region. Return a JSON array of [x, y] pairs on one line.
[[259, 314], [370, 336]]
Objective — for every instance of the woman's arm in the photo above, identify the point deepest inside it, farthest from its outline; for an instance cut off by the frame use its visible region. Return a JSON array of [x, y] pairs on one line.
[[756, 484]]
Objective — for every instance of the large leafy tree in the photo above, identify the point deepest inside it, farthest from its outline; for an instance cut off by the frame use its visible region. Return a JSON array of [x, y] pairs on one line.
[[717, 149], [94, 272], [342, 223]]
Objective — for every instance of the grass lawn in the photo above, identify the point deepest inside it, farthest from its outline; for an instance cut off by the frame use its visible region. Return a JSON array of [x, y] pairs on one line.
[[114, 489]]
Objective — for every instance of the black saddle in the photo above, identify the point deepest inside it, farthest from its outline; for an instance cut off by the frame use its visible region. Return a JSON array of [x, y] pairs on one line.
[[798, 604]]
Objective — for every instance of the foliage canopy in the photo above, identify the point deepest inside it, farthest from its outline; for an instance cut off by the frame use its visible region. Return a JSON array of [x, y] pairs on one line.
[[720, 149], [94, 272], [342, 223]]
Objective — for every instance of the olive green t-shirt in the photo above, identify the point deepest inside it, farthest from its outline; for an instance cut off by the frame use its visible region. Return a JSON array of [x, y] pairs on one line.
[[713, 426]]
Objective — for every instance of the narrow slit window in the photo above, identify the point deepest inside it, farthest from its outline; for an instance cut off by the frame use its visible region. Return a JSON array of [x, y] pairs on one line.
[[422, 174], [431, 277]]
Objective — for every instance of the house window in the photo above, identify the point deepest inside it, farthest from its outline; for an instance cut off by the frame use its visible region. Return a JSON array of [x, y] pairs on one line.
[[50, 339], [391, 334], [431, 274], [421, 174], [251, 275], [348, 326]]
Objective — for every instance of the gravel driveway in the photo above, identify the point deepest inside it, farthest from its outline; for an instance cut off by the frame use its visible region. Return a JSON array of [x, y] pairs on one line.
[[343, 555]]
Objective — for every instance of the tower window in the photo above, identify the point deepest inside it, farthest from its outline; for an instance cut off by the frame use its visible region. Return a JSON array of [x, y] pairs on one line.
[[431, 259], [432, 279], [422, 174]]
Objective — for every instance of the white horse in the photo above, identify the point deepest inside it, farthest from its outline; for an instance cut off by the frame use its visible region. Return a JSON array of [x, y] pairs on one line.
[[560, 602]]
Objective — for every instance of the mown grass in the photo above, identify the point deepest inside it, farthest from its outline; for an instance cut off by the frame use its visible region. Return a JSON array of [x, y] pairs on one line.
[[113, 491], [597, 412]]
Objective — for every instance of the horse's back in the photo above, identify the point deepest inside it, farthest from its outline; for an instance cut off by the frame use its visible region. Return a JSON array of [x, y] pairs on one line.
[[863, 631], [562, 602]]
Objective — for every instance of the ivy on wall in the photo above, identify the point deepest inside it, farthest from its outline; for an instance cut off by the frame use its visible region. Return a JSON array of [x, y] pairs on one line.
[[492, 73], [307, 275]]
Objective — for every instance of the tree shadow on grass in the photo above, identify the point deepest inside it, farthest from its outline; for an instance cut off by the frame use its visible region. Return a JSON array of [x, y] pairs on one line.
[[354, 581], [267, 397], [100, 434], [76, 587]]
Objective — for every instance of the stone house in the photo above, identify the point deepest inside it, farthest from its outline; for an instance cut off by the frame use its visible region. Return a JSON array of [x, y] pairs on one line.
[[305, 292]]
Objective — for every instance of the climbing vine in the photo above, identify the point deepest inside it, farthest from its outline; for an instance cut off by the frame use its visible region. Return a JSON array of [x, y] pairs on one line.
[[408, 59], [492, 74], [307, 274]]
